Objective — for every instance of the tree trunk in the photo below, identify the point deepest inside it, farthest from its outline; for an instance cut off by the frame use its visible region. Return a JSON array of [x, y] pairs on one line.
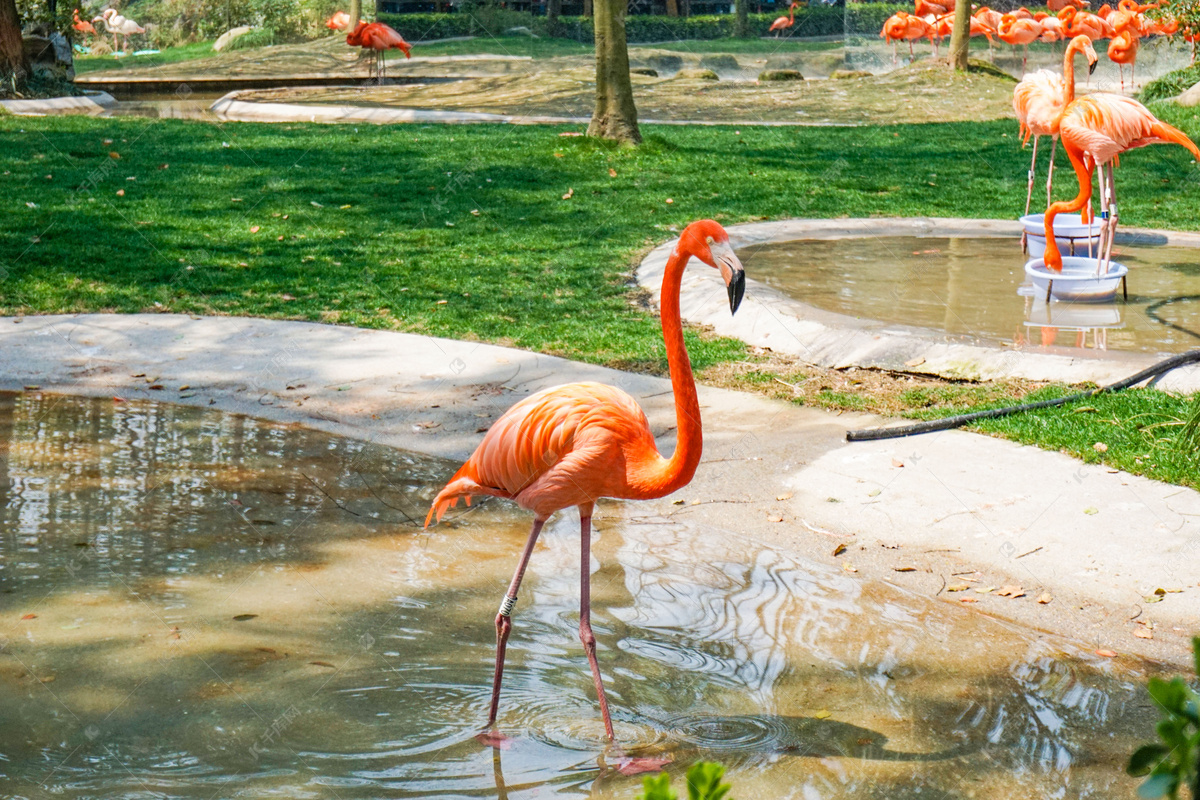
[[960, 39], [355, 12], [615, 116], [741, 21], [672, 8], [587, 8], [13, 66], [553, 12]]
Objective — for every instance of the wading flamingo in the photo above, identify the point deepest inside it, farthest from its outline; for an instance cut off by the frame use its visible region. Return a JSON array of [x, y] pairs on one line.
[[1017, 31], [378, 37], [338, 22], [115, 24], [1039, 100], [1095, 130], [571, 445], [783, 23]]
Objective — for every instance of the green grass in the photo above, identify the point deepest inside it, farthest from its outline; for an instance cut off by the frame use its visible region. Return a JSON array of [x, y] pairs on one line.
[[381, 227], [170, 55], [1170, 85]]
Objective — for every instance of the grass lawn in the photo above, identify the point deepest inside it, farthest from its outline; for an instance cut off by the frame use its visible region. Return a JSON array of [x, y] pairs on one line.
[[171, 55], [465, 232]]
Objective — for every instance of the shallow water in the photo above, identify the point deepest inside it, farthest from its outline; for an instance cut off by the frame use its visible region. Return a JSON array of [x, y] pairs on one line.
[[969, 287], [201, 605]]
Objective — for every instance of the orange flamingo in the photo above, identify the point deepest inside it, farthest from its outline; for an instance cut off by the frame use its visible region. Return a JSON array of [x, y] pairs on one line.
[[783, 23], [338, 22], [1052, 28], [1056, 6], [81, 25], [571, 445], [1085, 24], [1039, 100], [1122, 50], [902, 25], [1018, 31], [923, 7], [1095, 130], [378, 37]]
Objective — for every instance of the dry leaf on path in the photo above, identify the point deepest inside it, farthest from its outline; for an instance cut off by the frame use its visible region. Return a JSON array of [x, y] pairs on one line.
[[1045, 599], [1143, 633], [915, 362], [1011, 592], [904, 569], [849, 568], [1106, 653], [1100, 447], [957, 587], [897, 462], [841, 548], [784, 496]]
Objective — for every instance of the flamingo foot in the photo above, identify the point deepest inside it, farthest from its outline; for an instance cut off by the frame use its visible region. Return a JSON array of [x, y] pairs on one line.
[[494, 739], [629, 765]]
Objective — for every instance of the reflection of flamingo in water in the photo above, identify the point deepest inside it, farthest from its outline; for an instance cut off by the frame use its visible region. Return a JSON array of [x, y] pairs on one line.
[[571, 445], [378, 37], [115, 24]]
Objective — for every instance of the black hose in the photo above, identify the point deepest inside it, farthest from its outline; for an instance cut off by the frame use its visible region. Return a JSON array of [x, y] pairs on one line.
[[1161, 368], [1152, 313]]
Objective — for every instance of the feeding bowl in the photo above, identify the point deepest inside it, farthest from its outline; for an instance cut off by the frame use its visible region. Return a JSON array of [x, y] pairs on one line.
[[1078, 282], [1069, 231]]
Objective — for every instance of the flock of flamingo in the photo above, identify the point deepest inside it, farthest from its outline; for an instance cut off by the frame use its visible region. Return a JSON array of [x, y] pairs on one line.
[[1125, 26], [113, 23]]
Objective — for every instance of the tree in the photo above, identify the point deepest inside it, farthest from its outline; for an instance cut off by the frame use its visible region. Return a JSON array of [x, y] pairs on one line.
[[355, 12], [553, 12], [741, 20], [13, 65], [615, 116], [960, 39]]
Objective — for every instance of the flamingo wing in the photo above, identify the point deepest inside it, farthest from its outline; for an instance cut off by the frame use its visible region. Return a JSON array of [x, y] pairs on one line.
[[560, 447], [1105, 125]]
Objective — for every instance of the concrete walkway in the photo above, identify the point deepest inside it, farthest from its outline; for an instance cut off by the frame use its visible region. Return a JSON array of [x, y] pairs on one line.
[[929, 514]]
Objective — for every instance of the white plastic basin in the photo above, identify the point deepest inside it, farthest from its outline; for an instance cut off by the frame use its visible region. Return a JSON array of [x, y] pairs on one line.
[[1078, 281], [1069, 231]]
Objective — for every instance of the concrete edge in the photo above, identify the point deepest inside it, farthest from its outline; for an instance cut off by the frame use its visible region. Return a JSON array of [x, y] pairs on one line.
[[92, 101], [770, 319]]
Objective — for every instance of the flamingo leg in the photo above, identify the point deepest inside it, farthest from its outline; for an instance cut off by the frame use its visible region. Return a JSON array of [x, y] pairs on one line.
[[504, 618], [1032, 168], [585, 618], [1050, 174], [1112, 222]]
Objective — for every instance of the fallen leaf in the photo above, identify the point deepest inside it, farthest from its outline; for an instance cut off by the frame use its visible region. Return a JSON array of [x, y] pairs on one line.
[[822, 714], [1011, 591], [29, 616], [570, 193], [775, 519], [897, 462], [677, 502], [1106, 654], [985, 589], [47, 679], [849, 568], [837, 551], [1143, 633], [904, 569], [612, 173], [1091, 511], [323, 664], [343, 208], [185, 387], [114, 154], [968, 600], [120, 192], [1100, 447], [244, 617], [916, 362], [315, 204], [33, 387], [1045, 599], [255, 229], [957, 587], [784, 496], [670, 201], [874, 493]]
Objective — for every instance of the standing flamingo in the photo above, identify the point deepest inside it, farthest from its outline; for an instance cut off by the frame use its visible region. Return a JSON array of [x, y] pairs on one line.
[[783, 23], [902, 25], [1122, 50], [338, 22], [115, 24], [1056, 6], [571, 445], [1085, 23], [378, 37], [1095, 130], [1019, 31], [81, 25]]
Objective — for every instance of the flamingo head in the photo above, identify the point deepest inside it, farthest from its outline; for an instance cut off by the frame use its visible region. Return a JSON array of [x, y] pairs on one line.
[[1083, 44], [708, 241]]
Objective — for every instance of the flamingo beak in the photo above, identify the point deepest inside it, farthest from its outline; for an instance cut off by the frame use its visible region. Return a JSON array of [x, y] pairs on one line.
[[731, 271], [1092, 66]]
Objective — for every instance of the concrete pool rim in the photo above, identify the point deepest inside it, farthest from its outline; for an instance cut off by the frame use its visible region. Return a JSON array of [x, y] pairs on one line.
[[768, 318]]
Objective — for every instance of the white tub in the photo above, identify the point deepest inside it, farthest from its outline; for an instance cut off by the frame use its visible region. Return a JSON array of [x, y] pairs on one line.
[[1069, 231], [1078, 281]]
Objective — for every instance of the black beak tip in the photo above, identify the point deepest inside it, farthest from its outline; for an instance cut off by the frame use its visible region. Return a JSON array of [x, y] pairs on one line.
[[737, 288], [1092, 67]]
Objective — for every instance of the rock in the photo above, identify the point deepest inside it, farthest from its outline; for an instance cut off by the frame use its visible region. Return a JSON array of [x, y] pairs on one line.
[[780, 75], [722, 62], [653, 73], [698, 74], [665, 63], [520, 30], [50, 56], [1191, 97], [228, 36], [847, 74]]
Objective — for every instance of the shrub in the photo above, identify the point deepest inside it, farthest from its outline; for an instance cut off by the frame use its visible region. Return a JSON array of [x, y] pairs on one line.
[[1171, 84], [1175, 762]]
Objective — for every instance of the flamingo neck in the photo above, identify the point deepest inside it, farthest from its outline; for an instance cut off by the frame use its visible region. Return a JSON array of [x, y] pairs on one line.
[[1069, 73], [676, 472], [1052, 258]]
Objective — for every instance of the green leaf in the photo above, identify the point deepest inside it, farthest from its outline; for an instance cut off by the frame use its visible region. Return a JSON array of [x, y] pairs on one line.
[[657, 787], [704, 781], [1159, 786], [1196, 652], [1171, 695], [1145, 758]]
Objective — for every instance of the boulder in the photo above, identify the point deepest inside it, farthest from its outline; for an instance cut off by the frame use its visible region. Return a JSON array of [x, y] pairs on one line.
[[698, 74], [663, 64], [720, 62], [50, 56], [228, 36], [780, 75], [848, 74], [1191, 97], [652, 73]]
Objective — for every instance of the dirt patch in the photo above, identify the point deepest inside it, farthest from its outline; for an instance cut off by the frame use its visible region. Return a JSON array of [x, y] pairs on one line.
[[564, 87]]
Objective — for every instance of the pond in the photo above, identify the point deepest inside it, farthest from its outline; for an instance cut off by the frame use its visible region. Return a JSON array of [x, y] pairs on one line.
[[973, 287], [200, 605]]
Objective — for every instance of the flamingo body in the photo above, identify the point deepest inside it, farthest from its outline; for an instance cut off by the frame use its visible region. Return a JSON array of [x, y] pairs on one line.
[[338, 22], [782, 23]]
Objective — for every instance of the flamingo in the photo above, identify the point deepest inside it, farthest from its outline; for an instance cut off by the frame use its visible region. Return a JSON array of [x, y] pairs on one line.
[[571, 445], [1052, 28], [1122, 50], [378, 37], [1039, 100], [338, 22], [115, 24], [1095, 130], [923, 7], [1018, 31], [1056, 6], [902, 25], [81, 25], [783, 23], [1085, 23]]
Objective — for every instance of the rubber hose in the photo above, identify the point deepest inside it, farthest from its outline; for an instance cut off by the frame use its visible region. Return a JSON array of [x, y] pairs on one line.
[[1161, 368]]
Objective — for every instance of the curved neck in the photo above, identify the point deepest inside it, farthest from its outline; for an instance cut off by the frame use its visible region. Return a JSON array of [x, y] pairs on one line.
[[1052, 258], [677, 471], [1069, 74]]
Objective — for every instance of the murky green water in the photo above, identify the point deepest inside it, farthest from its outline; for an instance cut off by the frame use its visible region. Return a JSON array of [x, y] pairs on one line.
[[185, 612], [969, 287]]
